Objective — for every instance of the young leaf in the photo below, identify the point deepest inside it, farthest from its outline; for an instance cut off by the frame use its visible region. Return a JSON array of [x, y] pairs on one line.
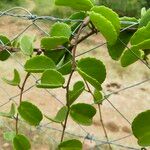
[[11, 113], [9, 135], [130, 56], [82, 113], [103, 24], [116, 50], [60, 30], [141, 35], [109, 14], [84, 5], [26, 45], [98, 97], [30, 113], [50, 43], [4, 55], [78, 88], [70, 145], [92, 70], [15, 81], [145, 19], [141, 128], [20, 142], [51, 79], [39, 64], [61, 115]]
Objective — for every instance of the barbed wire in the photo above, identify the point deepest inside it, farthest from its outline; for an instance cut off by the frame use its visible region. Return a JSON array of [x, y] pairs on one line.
[[87, 135]]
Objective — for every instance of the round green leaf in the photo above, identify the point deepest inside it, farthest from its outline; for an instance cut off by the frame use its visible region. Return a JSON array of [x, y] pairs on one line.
[[39, 64], [60, 29], [4, 55], [130, 56], [9, 135], [109, 14], [141, 128], [82, 113], [92, 70], [70, 145], [20, 142], [30, 113], [78, 88], [103, 24], [50, 43], [145, 19], [61, 115], [15, 81], [116, 50], [76, 4], [26, 45], [51, 79]]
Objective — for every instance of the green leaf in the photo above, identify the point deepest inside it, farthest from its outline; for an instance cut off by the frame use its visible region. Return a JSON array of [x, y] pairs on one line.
[[98, 97], [39, 64], [92, 70], [78, 88], [55, 55], [130, 56], [30, 113], [11, 113], [141, 35], [70, 145], [103, 24], [61, 115], [4, 55], [60, 29], [9, 135], [116, 50], [82, 113], [109, 14], [50, 43], [65, 65], [20, 142], [84, 5], [145, 19], [51, 79], [15, 81], [141, 128], [26, 45]]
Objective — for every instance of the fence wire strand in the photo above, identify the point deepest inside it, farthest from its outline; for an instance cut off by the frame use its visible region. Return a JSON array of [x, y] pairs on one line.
[[22, 13]]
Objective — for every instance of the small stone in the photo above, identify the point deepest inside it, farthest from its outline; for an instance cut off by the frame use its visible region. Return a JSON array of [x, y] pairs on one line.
[[6, 145]]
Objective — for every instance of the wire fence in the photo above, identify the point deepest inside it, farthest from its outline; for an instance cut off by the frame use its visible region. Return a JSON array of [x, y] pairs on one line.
[[21, 13]]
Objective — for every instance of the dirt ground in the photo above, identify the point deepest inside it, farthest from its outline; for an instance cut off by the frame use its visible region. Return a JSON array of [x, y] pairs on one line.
[[129, 102]]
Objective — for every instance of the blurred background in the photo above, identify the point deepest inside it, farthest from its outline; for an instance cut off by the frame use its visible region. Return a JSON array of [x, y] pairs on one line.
[[123, 7]]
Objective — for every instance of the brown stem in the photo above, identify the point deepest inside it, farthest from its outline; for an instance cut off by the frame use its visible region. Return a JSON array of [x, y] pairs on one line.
[[103, 126], [20, 99]]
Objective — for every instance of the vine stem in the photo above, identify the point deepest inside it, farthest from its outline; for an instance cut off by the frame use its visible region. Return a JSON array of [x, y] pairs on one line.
[[85, 22], [100, 115], [20, 99], [103, 126]]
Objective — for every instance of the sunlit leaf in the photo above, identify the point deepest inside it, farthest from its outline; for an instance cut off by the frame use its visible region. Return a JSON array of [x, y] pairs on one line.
[[30, 113], [145, 19], [51, 79], [141, 128], [92, 70], [20, 142], [82, 113], [70, 145], [39, 64], [61, 115], [76, 4], [9, 135], [16, 79], [98, 97]]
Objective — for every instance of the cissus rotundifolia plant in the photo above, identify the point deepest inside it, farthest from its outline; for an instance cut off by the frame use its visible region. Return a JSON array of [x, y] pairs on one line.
[[127, 39]]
